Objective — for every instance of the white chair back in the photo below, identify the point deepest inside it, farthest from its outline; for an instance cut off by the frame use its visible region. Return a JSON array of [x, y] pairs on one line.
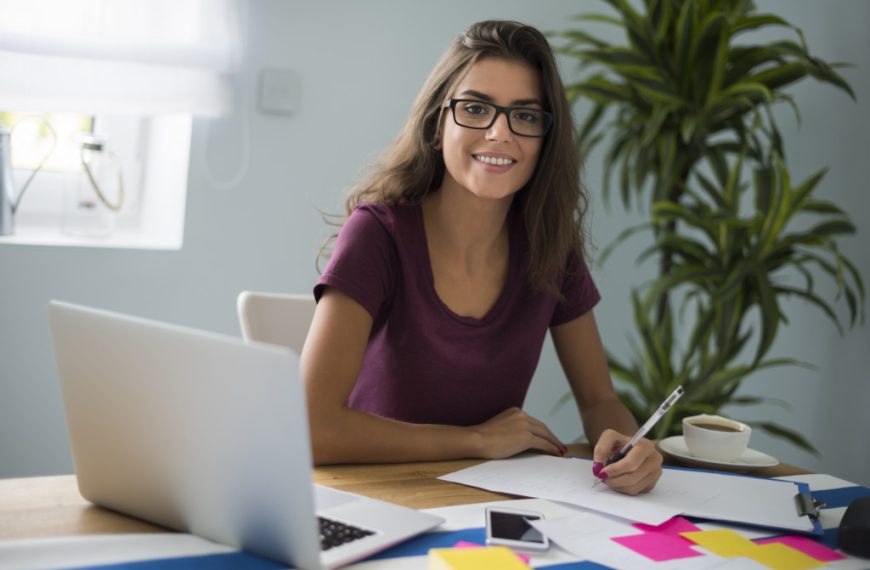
[[276, 318]]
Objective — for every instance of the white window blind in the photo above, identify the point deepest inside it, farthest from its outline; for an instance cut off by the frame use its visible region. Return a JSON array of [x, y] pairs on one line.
[[143, 57]]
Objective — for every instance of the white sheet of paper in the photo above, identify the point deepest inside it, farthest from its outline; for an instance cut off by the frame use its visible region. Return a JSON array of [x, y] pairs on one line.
[[764, 502]]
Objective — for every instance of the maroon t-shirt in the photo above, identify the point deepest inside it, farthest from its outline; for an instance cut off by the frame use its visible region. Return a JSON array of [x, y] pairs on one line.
[[424, 363]]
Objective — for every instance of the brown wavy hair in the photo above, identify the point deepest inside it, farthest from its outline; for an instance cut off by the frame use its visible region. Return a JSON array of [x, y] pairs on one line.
[[553, 203]]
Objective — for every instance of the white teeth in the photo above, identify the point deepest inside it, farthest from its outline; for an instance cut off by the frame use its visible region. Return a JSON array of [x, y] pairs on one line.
[[497, 161]]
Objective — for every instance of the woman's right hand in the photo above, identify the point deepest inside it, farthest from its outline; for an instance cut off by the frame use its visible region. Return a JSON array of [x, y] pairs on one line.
[[514, 431]]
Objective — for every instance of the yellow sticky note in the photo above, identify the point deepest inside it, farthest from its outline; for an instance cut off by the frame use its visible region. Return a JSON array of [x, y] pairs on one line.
[[723, 542], [486, 558], [778, 556]]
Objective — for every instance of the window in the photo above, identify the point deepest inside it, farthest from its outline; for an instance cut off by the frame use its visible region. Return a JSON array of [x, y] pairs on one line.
[[47, 136], [130, 73]]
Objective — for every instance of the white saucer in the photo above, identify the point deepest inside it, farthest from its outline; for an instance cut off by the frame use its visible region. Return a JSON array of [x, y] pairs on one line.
[[749, 460]]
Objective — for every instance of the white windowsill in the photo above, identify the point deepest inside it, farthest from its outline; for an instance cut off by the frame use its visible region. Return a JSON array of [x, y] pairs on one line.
[[158, 222], [120, 238]]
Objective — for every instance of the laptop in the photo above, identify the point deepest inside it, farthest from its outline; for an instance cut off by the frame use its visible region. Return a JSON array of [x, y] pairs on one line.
[[207, 434]]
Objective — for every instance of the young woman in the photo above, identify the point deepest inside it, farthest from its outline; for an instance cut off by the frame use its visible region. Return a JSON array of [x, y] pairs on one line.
[[458, 254]]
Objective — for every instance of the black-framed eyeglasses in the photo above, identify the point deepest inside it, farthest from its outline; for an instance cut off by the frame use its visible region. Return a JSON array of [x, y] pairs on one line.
[[523, 121]]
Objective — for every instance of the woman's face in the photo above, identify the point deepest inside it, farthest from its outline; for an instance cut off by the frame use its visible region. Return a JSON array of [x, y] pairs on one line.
[[492, 163]]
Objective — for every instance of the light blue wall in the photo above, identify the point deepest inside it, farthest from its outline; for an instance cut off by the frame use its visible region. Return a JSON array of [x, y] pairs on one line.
[[360, 71]]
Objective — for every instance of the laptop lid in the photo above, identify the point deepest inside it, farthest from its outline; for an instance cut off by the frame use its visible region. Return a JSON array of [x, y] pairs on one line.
[[192, 430]]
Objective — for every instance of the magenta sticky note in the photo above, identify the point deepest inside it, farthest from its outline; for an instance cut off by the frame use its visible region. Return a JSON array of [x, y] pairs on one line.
[[808, 546], [672, 527], [658, 546], [466, 544]]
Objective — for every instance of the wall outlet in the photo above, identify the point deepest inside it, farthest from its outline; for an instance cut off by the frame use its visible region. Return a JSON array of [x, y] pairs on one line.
[[280, 91]]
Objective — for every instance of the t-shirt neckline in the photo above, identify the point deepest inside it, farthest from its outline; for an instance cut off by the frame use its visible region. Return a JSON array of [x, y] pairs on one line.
[[510, 280]]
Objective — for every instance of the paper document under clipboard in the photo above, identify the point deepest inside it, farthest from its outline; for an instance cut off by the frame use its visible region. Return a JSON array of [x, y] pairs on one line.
[[697, 493]]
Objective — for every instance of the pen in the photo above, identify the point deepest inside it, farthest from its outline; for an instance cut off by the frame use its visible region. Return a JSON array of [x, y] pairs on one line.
[[675, 395]]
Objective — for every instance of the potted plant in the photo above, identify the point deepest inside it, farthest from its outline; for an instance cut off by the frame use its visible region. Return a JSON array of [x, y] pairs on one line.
[[683, 109]]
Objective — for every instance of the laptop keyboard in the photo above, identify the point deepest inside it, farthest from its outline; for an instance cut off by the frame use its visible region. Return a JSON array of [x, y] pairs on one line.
[[335, 533]]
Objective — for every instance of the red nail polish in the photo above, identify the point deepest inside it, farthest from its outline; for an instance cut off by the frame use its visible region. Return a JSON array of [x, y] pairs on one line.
[[596, 467]]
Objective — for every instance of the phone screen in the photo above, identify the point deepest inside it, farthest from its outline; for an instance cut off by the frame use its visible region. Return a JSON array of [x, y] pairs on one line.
[[514, 526]]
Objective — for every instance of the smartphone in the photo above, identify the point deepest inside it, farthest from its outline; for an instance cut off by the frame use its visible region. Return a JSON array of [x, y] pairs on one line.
[[510, 527]]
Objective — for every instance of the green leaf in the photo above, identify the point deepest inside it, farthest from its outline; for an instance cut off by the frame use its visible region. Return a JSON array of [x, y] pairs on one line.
[[769, 315], [755, 91], [825, 73], [663, 18], [643, 165], [659, 92], [625, 172], [599, 18], [802, 193], [755, 400], [744, 59], [780, 76], [720, 64], [733, 282], [705, 42], [777, 214], [625, 61], [685, 33], [654, 125], [667, 149], [688, 273], [688, 125], [704, 326], [832, 228], [815, 300], [610, 158], [822, 207], [602, 91], [580, 37], [853, 306], [731, 187], [748, 23], [765, 180], [623, 235], [859, 284], [563, 400], [590, 124], [794, 437], [685, 247]]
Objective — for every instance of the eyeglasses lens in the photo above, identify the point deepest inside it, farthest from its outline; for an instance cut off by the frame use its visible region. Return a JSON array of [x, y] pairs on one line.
[[478, 115]]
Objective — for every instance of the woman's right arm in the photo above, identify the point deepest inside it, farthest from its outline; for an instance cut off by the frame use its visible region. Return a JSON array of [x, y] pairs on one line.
[[330, 363]]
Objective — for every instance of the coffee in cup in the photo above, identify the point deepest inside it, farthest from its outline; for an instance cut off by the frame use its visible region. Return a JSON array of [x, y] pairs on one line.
[[715, 438]]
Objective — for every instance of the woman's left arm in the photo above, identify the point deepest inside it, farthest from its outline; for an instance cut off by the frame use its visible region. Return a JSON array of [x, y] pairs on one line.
[[606, 421]]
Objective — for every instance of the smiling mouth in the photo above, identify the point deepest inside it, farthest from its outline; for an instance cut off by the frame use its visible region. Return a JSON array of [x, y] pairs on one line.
[[494, 160]]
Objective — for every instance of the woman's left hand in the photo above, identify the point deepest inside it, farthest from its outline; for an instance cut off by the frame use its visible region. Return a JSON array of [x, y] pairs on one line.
[[636, 473]]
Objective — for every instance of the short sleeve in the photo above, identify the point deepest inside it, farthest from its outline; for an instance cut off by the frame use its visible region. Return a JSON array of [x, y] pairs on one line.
[[578, 289], [363, 261]]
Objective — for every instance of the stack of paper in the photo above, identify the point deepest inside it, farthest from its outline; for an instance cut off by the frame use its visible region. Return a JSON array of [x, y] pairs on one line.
[[717, 496]]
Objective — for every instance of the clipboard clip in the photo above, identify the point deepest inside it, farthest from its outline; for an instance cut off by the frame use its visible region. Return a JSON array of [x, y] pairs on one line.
[[807, 505]]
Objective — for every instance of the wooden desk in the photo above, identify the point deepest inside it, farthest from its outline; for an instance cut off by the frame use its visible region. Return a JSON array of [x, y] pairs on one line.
[[51, 506]]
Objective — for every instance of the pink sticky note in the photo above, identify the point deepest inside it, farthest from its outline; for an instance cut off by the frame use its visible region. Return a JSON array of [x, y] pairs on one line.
[[672, 527], [466, 544], [658, 546], [808, 546]]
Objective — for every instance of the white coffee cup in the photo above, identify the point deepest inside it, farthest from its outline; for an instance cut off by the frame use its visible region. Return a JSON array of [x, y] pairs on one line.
[[715, 437]]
